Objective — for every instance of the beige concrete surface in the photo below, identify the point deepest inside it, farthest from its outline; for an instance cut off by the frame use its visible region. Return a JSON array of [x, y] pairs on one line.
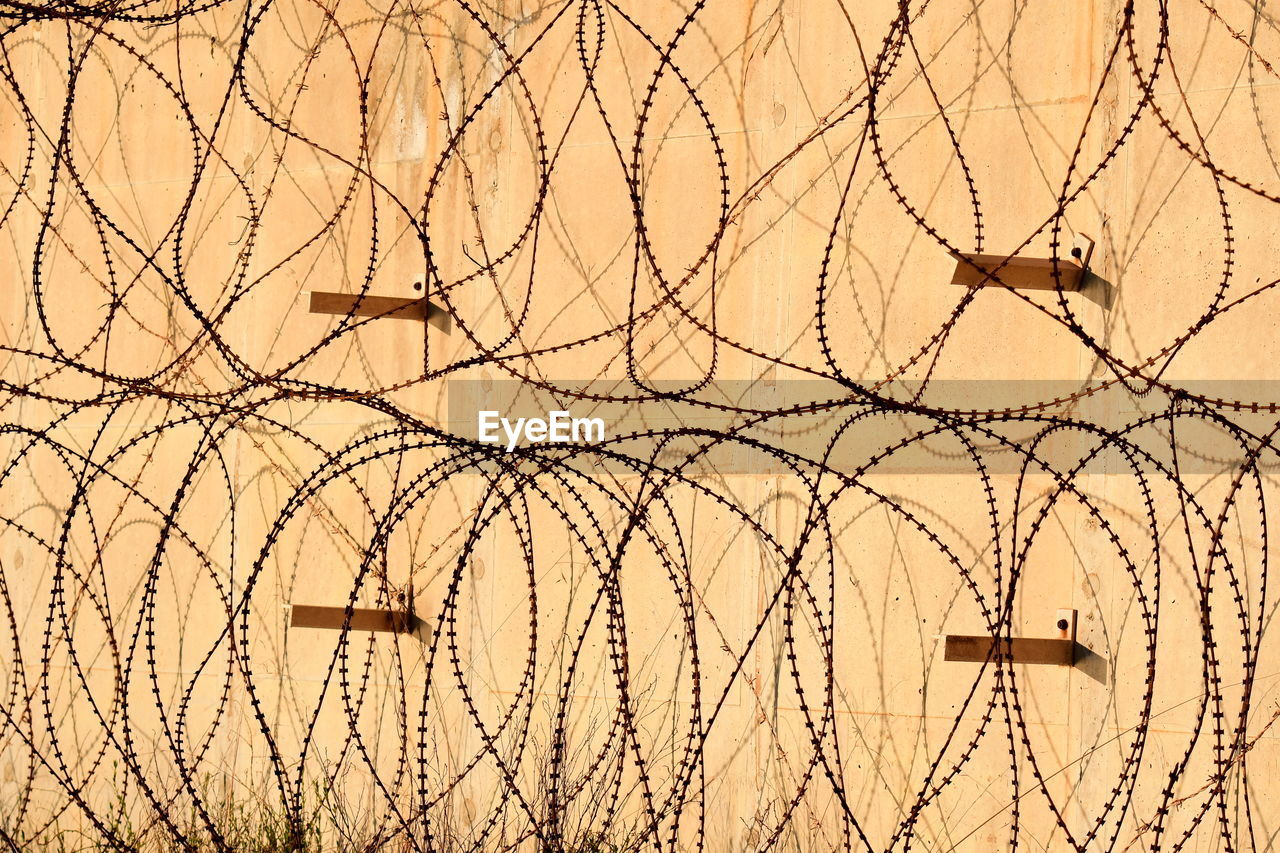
[[188, 451]]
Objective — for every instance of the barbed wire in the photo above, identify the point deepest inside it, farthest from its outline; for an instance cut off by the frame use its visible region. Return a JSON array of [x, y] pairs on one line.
[[624, 645]]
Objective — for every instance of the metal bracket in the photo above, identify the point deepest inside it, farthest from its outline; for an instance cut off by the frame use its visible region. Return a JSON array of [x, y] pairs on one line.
[[361, 618], [1023, 273], [1059, 650], [383, 307]]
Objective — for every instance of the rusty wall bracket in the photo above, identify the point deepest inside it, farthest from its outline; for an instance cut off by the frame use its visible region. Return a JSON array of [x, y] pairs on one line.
[[362, 619], [383, 307], [975, 270], [1059, 650]]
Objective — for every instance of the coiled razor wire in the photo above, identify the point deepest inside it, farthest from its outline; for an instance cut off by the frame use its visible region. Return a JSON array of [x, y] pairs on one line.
[[622, 644]]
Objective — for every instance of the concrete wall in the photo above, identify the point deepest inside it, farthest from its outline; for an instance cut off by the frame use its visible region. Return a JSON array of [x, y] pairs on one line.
[[735, 650]]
